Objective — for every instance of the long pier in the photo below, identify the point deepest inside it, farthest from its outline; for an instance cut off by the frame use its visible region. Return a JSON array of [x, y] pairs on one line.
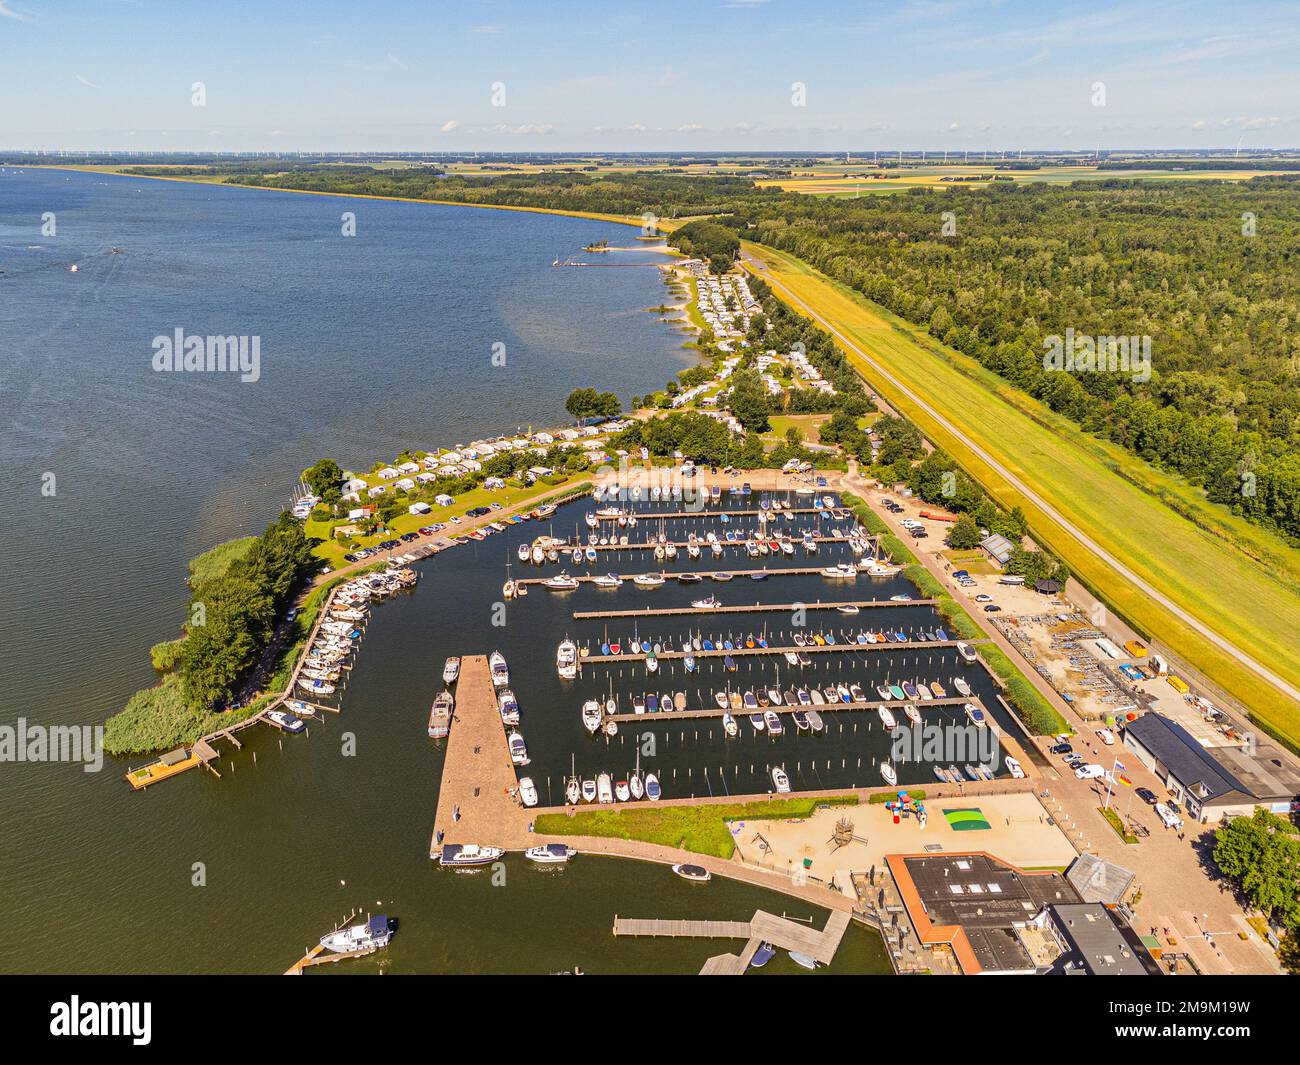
[[712, 711], [706, 545], [906, 645], [737, 574], [756, 608], [708, 512]]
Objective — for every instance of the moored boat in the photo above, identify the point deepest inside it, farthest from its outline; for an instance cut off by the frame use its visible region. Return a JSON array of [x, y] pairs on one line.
[[780, 780], [462, 854], [550, 853], [370, 934]]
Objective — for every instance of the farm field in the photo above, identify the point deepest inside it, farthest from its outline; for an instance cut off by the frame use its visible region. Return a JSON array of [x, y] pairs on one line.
[[1243, 583]]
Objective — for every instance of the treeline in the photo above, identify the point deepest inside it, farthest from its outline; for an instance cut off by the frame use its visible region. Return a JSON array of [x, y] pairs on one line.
[[702, 239]]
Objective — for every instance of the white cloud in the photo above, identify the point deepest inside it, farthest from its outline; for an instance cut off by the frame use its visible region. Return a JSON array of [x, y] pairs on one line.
[[449, 125], [87, 82], [9, 12]]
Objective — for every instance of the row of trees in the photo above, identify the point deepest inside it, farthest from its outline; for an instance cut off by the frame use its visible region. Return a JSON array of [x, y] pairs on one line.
[[1261, 856]]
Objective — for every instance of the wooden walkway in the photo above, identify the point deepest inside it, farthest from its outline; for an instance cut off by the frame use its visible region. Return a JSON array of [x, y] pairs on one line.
[[713, 711], [708, 512], [756, 608], [762, 928], [906, 645], [475, 804], [650, 545], [737, 574]]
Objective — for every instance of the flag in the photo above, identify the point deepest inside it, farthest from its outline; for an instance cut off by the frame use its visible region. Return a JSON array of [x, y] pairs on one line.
[[1119, 765], [1125, 781]]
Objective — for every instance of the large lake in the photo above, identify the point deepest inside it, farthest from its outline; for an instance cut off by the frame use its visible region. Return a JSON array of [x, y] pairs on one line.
[[369, 344]]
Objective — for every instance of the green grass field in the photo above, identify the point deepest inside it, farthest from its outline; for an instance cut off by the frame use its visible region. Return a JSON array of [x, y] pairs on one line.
[[700, 829], [1238, 579]]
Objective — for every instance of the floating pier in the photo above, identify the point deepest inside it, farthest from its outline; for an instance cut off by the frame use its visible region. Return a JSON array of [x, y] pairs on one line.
[[756, 608], [713, 711], [708, 512], [666, 655], [737, 574]]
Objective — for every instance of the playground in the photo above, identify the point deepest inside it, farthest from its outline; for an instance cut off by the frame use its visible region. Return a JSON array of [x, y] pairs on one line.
[[1014, 827]]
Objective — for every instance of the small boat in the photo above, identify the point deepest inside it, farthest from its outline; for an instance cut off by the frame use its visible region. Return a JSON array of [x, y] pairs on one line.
[[440, 715], [648, 580], [689, 578], [651, 663], [888, 772], [609, 580], [508, 706], [757, 721], [708, 603], [500, 673], [288, 722], [300, 708], [692, 872], [591, 715], [909, 689], [461, 854], [611, 727], [895, 692], [604, 788], [1014, 768], [962, 687], [913, 713], [550, 853], [652, 790], [815, 722], [518, 749], [774, 696], [523, 552], [561, 582], [967, 652], [886, 717], [720, 576], [801, 720], [690, 663], [941, 774], [566, 659], [883, 691], [729, 725], [450, 670], [527, 791], [972, 773], [804, 961], [765, 953], [573, 791], [780, 780], [622, 791], [588, 791], [772, 719], [751, 701], [976, 715], [679, 701], [370, 934], [849, 609]]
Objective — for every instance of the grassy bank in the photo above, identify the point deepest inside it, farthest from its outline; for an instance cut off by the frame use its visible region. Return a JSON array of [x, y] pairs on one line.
[[1142, 516], [700, 829]]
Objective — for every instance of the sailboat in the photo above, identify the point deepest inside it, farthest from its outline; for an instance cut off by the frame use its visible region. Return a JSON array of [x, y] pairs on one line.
[[572, 788]]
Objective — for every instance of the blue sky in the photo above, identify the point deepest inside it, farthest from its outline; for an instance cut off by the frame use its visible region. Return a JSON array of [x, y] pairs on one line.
[[702, 75]]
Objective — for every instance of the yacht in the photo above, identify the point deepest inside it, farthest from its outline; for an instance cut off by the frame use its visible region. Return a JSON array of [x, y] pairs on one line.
[[370, 934], [550, 853], [780, 780], [709, 603], [527, 790], [967, 652], [1014, 768], [561, 582], [508, 706], [648, 580], [288, 722], [440, 715], [461, 854], [604, 788], [976, 715], [609, 580], [500, 673], [591, 715], [566, 660], [518, 749]]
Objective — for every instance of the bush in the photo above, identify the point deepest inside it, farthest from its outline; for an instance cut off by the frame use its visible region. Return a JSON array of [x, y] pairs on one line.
[[165, 655]]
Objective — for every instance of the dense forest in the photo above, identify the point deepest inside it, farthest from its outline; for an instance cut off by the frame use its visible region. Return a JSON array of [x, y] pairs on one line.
[[1209, 271]]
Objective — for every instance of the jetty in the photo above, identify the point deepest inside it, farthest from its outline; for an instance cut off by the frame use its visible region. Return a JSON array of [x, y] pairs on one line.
[[709, 512], [742, 608], [830, 648], [737, 574], [763, 927], [712, 711]]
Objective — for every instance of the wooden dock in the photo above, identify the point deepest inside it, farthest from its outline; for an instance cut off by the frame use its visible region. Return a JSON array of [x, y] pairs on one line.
[[648, 516], [475, 800], [712, 711], [762, 928], [841, 648], [756, 608], [737, 574], [317, 956]]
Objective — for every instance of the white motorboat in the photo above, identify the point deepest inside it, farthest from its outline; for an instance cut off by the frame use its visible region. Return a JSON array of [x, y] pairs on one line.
[[962, 687], [886, 717], [913, 713], [370, 934], [976, 715], [527, 790], [440, 715], [967, 652], [561, 582], [450, 670], [1014, 768], [566, 659], [709, 603], [692, 872], [288, 722], [591, 716], [604, 788], [518, 749], [609, 580], [573, 791], [780, 780], [500, 673], [729, 725], [464, 854], [588, 791], [508, 706], [652, 790], [648, 580], [550, 853], [622, 790], [888, 772]]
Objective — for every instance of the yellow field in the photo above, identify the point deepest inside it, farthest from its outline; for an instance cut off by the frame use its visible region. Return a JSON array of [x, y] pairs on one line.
[[1243, 583]]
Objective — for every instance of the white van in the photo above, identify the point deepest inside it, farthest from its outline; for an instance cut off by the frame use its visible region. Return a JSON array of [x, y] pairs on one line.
[[1170, 819], [1089, 771]]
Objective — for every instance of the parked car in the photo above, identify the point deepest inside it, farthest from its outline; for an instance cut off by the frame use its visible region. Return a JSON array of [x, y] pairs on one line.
[[1147, 796], [1107, 737], [993, 608], [1089, 771], [1061, 748], [984, 597]]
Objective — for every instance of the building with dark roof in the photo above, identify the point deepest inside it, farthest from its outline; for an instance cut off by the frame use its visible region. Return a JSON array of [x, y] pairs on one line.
[[1211, 783], [1093, 943], [1097, 880]]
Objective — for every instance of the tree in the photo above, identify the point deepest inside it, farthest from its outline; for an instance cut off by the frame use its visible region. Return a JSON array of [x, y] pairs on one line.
[[1261, 855], [324, 479], [748, 401], [964, 534]]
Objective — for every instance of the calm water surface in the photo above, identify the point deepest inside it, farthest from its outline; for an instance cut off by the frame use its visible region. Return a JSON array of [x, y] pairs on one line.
[[368, 345]]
